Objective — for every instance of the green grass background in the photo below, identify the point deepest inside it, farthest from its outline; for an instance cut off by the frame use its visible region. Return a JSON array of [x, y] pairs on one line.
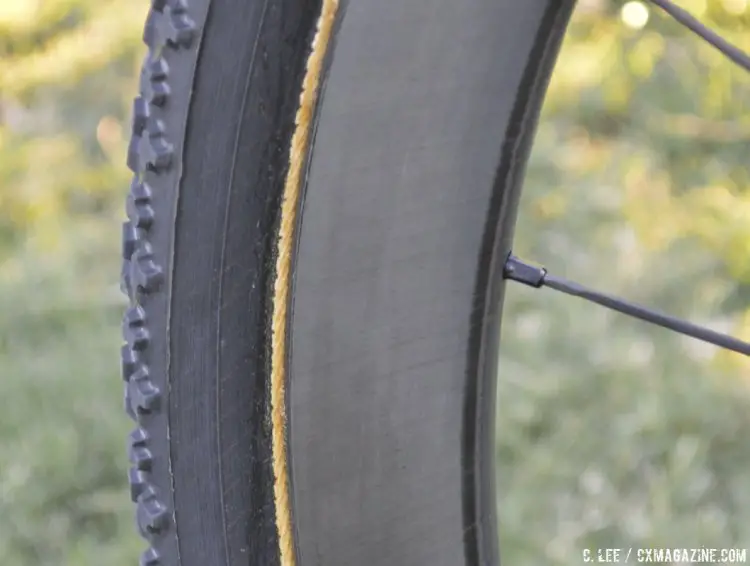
[[610, 433]]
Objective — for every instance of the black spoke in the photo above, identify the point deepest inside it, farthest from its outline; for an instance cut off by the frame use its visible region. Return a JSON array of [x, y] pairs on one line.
[[693, 24], [517, 270]]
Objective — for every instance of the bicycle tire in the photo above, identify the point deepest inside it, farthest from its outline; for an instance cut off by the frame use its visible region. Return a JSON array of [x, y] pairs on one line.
[[312, 259]]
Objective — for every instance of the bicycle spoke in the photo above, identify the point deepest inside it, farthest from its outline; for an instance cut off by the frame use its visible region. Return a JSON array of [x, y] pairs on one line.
[[518, 270], [733, 52]]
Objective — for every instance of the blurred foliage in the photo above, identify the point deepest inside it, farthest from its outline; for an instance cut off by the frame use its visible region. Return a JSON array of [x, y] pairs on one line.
[[68, 71], [610, 433], [664, 117]]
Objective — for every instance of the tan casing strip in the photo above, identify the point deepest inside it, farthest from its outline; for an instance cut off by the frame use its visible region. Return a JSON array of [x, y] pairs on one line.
[[282, 285]]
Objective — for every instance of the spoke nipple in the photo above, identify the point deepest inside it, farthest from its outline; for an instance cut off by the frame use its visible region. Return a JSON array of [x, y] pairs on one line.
[[517, 270]]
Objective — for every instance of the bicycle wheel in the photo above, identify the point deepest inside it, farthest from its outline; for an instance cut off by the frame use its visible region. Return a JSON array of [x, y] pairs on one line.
[[324, 195]]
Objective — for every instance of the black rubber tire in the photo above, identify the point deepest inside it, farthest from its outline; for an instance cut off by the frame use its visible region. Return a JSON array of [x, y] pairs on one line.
[[421, 134]]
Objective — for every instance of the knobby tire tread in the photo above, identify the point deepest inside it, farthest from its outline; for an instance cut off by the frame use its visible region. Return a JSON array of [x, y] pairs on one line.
[[172, 34]]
